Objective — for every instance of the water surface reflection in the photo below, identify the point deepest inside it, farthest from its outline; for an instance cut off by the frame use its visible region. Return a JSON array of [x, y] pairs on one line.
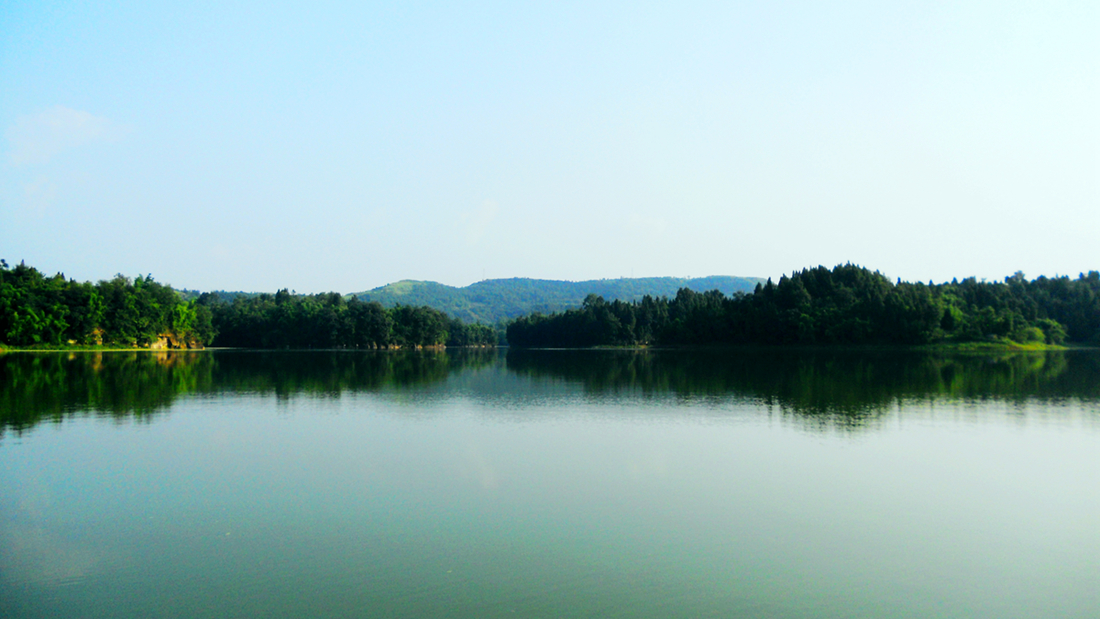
[[837, 387]]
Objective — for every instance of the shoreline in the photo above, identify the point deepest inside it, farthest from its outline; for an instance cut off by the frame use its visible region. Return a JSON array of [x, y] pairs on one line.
[[206, 348], [1008, 346]]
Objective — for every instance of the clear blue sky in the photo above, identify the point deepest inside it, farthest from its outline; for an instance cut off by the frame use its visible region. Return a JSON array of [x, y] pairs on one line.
[[341, 146]]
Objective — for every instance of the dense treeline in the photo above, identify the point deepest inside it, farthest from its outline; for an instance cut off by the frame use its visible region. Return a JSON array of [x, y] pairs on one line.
[[846, 305], [37, 310], [40, 311], [285, 320]]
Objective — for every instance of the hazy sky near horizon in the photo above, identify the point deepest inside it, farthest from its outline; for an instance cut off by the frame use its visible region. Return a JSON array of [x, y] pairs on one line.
[[344, 145]]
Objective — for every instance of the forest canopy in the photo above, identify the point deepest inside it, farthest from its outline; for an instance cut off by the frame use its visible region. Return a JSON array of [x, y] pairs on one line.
[[36, 310], [40, 311], [285, 320], [848, 304]]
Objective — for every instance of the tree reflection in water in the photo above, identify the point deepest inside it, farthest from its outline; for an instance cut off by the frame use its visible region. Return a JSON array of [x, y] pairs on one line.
[[834, 386]]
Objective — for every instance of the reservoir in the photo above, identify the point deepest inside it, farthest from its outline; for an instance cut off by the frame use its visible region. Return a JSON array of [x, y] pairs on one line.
[[553, 483]]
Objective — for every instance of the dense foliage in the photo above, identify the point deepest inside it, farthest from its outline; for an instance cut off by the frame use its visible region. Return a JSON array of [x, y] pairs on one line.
[[846, 305], [285, 320], [37, 311], [496, 300], [52, 311]]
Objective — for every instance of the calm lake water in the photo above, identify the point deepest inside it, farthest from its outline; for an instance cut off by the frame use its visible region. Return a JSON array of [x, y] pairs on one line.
[[550, 484]]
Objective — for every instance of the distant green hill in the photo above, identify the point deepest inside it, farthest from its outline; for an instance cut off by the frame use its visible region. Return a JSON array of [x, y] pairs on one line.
[[493, 300]]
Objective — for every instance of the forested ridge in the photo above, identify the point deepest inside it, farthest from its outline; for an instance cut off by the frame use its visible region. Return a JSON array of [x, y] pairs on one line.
[[848, 304], [495, 300], [41, 311]]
